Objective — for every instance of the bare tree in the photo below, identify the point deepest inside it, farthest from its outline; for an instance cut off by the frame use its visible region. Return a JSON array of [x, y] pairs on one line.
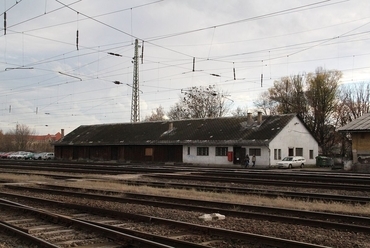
[[321, 97], [311, 96], [287, 96], [240, 112], [200, 102], [7, 143], [157, 115], [21, 137], [177, 112], [353, 102], [266, 105]]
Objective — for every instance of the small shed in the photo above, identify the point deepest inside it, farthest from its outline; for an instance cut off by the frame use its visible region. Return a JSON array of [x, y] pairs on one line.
[[359, 131]]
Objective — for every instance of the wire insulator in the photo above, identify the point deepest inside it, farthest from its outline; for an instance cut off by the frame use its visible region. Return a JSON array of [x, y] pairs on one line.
[[4, 23], [142, 52], [261, 80], [77, 39]]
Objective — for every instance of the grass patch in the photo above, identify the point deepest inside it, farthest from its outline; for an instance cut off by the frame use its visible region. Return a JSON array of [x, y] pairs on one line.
[[21, 178]]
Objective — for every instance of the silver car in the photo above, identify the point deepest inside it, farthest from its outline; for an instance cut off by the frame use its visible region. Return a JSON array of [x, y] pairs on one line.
[[291, 162], [48, 156]]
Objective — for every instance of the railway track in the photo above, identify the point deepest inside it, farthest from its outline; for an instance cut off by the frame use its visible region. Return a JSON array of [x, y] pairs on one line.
[[251, 191], [228, 174], [192, 182], [47, 229], [300, 217], [247, 180], [352, 229], [91, 218]]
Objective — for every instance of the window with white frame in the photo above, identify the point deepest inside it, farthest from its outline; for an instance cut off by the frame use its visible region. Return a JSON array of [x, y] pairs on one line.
[[202, 151], [299, 151], [311, 154], [277, 154], [255, 151], [221, 151]]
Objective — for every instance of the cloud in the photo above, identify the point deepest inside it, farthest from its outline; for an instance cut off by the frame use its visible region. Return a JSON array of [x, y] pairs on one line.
[[274, 38]]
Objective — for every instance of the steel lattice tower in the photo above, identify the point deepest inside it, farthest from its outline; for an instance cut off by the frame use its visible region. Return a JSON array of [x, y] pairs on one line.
[[135, 104]]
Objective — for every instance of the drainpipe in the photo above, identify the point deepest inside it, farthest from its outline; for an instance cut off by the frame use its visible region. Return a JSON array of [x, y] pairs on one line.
[[269, 154]]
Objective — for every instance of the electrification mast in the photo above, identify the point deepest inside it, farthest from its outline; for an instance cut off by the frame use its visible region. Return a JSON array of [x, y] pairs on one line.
[[135, 104]]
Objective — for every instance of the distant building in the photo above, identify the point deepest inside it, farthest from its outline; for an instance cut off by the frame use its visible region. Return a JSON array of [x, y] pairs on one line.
[[46, 138], [44, 142], [214, 141]]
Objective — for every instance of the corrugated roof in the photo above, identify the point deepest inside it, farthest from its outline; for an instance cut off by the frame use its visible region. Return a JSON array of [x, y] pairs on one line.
[[360, 124], [233, 130]]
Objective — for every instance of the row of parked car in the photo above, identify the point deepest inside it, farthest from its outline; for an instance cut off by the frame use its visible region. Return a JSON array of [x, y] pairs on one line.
[[27, 155]]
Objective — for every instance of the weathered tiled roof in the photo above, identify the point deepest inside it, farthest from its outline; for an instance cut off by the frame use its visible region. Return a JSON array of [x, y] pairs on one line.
[[361, 124], [225, 130]]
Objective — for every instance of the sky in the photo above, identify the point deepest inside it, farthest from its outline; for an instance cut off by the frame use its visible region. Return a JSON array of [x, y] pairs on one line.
[[49, 81]]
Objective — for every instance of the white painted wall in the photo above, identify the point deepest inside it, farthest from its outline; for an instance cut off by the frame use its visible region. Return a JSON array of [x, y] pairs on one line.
[[210, 159], [261, 161], [294, 135]]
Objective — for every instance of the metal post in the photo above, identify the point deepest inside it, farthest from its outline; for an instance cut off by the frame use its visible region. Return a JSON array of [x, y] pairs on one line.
[[135, 108]]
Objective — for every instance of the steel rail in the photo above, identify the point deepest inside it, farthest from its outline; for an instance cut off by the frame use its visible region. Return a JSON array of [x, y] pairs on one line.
[[253, 191], [264, 213], [263, 182], [248, 191], [237, 174], [223, 205], [25, 236], [268, 240], [117, 236], [290, 176], [212, 171]]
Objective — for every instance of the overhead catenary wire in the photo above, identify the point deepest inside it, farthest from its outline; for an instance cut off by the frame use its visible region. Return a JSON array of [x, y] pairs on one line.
[[201, 61]]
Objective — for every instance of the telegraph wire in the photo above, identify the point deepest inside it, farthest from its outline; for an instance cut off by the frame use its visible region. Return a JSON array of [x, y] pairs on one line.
[[16, 2], [187, 63], [276, 13], [68, 6], [33, 18], [87, 18], [121, 31]]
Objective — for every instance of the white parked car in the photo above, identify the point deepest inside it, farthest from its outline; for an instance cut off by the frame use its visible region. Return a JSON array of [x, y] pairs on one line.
[[39, 155], [48, 156], [17, 155], [291, 162]]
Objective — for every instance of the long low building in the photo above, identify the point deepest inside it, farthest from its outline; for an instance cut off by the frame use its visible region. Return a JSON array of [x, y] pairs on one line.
[[211, 141]]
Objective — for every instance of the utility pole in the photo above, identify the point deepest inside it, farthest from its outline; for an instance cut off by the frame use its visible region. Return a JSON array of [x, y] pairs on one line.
[[135, 104]]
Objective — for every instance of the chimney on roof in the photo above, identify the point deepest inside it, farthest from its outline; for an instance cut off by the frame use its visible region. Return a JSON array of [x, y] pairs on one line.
[[170, 126], [62, 133], [249, 119], [259, 118]]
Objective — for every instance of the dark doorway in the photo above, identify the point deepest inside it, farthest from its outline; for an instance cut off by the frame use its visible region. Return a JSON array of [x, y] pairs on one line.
[[114, 153], [239, 155]]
